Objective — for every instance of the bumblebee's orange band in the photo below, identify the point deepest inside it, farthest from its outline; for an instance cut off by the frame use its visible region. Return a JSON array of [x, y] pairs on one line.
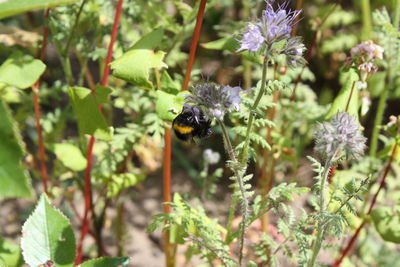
[[183, 129]]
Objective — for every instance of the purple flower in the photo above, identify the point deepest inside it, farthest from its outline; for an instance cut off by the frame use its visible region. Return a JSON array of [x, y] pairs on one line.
[[274, 26], [252, 39], [277, 24]]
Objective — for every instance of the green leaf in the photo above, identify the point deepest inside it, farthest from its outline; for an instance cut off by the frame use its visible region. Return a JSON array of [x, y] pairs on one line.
[[20, 70], [387, 223], [70, 156], [340, 103], [169, 105], [47, 235], [14, 180], [121, 181], [10, 254], [150, 41], [134, 66], [232, 45], [86, 105], [106, 262], [13, 7], [169, 85]]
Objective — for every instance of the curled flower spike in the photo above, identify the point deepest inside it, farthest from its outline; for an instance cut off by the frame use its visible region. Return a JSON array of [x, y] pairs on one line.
[[215, 100], [342, 133], [294, 51]]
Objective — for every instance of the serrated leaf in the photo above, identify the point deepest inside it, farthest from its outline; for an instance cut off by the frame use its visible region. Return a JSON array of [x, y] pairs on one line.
[[14, 180], [106, 262], [21, 70], [387, 223], [70, 156], [47, 235], [134, 66], [10, 254], [169, 105], [12, 7], [86, 108], [342, 100], [121, 181]]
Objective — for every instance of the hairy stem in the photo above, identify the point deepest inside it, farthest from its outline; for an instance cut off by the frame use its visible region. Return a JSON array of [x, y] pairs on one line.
[[322, 207], [239, 180], [245, 152]]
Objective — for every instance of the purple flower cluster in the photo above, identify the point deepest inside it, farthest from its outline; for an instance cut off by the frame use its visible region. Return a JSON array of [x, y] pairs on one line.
[[364, 57], [215, 100], [342, 133], [274, 26]]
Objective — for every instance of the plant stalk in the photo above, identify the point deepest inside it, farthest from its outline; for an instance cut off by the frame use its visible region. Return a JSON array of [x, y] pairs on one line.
[[245, 152], [239, 179], [322, 205]]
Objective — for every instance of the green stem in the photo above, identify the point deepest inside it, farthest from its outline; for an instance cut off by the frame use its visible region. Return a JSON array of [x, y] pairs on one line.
[[385, 94], [322, 207], [245, 153], [366, 19], [239, 180]]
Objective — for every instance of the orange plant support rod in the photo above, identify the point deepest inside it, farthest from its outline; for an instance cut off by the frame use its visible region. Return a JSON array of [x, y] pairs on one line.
[[35, 88], [87, 182], [193, 46]]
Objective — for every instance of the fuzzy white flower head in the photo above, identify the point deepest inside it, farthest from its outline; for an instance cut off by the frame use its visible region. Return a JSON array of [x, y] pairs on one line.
[[341, 134]]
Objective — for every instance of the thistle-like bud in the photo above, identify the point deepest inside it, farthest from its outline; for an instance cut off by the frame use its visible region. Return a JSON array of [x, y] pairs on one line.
[[215, 100], [341, 134]]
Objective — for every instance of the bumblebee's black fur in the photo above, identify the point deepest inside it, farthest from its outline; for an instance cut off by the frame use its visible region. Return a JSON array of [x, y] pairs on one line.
[[191, 123]]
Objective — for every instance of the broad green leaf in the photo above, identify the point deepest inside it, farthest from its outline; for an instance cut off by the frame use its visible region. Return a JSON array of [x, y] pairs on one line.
[[48, 235], [387, 223], [10, 254], [342, 100], [21, 70], [149, 41], [134, 66], [121, 181], [14, 180], [86, 108], [13, 7], [169, 105], [70, 156], [106, 262]]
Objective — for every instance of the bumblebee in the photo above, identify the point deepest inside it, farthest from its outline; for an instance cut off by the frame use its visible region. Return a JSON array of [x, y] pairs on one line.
[[191, 123]]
